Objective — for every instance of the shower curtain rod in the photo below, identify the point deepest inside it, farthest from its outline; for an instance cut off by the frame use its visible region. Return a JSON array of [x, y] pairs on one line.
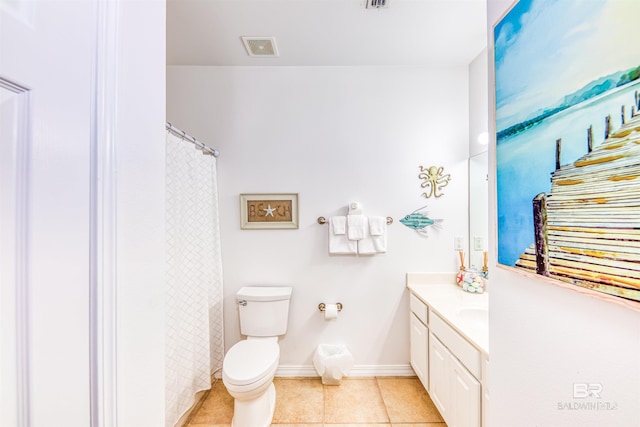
[[178, 132]]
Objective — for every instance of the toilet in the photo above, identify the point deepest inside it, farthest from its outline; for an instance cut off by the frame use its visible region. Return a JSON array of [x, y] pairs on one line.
[[250, 365]]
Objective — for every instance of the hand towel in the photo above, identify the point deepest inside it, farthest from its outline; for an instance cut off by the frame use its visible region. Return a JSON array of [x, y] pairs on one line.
[[339, 242], [378, 230], [365, 245], [339, 224], [375, 241], [357, 227], [377, 225]]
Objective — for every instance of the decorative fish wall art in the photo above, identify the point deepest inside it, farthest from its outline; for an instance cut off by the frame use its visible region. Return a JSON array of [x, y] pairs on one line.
[[419, 220]]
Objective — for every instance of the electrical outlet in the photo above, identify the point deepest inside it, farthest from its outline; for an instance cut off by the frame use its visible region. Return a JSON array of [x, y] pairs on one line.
[[478, 243], [458, 243]]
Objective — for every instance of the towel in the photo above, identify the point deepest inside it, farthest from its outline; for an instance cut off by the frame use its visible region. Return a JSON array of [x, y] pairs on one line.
[[377, 225], [338, 240], [375, 240], [357, 227], [378, 230], [339, 224]]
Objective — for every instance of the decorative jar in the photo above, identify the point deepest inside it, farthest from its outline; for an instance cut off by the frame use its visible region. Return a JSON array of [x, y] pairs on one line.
[[472, 280]]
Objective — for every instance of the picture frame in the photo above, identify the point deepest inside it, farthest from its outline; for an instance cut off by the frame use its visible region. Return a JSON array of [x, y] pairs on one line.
[[268, 211], [566, 189]]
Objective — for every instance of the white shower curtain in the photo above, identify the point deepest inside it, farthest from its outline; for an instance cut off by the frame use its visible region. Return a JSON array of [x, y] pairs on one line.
[[194, 341]]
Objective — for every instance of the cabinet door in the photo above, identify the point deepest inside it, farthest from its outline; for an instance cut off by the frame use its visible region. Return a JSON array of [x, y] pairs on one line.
[[465, 397], [485, 390], [439, 377], [48, 211], [420, 350]]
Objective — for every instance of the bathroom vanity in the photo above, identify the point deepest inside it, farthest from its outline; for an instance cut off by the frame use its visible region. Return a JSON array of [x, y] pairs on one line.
[[450, 346]]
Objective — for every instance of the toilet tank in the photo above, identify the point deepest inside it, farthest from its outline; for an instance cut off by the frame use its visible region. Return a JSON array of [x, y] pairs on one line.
[[264, 310]]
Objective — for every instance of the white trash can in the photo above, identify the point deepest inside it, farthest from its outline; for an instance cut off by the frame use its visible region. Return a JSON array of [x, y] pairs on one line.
[[332, 362]]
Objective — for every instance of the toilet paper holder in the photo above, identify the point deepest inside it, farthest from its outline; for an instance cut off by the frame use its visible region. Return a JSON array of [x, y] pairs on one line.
[[322, 306]]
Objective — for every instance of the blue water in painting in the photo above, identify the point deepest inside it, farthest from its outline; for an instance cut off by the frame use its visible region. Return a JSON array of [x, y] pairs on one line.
[[525, 162]]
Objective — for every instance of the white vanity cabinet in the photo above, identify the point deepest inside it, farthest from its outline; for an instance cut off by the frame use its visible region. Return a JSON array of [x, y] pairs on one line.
[[465, 397], [485, 390], [440, 379], [453, 389], [419, 339], [450, 364]]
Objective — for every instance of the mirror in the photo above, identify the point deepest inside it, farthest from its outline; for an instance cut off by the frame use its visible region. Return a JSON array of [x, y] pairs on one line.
[[478, 208]]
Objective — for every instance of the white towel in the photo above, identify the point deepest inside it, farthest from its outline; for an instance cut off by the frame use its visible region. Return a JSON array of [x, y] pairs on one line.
[[357, 227], [375, 241], [378, 230], [339, 243], [339, 224], [377, 225], [365, 245]]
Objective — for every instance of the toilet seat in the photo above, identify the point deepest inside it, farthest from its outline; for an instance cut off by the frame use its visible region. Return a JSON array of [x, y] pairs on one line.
[[250, 361]]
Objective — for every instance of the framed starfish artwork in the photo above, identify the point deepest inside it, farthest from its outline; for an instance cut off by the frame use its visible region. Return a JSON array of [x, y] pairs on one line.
[[268, 211]]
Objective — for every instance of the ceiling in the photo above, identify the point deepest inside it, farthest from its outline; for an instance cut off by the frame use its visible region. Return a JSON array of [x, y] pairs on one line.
[[326, 32]]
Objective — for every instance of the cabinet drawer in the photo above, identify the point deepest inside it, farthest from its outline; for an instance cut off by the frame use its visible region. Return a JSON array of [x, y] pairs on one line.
[[419, 309], [460, 347]]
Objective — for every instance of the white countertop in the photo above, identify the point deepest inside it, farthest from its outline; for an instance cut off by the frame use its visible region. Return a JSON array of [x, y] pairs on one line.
[[466, 312]]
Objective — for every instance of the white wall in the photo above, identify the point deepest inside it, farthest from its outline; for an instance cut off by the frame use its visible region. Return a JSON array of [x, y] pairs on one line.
[[333, 135], [141, 213], [544, 338]]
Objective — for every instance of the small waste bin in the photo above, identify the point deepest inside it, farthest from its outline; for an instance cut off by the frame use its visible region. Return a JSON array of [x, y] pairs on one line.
[[332, 362]]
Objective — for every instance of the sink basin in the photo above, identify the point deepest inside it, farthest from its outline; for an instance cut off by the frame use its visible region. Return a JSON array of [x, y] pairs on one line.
[[474, 315]]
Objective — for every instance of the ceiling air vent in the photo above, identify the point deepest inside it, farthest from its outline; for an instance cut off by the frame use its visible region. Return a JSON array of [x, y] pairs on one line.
[[260, 46], [377, 4]]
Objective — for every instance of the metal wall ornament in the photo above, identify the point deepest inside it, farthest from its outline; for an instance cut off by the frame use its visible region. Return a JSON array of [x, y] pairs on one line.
[[434, 179], [419, 220]]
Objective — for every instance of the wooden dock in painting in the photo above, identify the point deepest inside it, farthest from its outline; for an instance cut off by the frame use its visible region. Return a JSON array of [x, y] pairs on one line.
[[588, 226]]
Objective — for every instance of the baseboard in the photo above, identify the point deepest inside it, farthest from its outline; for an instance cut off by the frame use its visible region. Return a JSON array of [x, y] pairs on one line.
[[382, 371], [356, 371]]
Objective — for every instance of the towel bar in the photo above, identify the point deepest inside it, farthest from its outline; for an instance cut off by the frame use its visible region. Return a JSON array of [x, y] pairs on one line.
[[323, 220]]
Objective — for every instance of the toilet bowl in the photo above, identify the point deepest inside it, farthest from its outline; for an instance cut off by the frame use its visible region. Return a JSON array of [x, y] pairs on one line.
[[247, 373], [250, 365]]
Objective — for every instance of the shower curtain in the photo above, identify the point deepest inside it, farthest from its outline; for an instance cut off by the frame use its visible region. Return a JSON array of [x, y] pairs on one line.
[[194, 340]]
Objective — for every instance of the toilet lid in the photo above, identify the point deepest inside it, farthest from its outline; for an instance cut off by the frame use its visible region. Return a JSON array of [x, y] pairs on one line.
[[249, 360]]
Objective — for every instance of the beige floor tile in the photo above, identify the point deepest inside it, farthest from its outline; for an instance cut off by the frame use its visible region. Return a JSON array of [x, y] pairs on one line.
[[420, 425], [354, 401], [216, 409], [357, 425], [407, 401], [297, 425], [305, 402], [298, 401]]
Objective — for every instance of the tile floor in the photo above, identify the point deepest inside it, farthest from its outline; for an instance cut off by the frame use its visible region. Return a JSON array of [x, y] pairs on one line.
[[361, 402]]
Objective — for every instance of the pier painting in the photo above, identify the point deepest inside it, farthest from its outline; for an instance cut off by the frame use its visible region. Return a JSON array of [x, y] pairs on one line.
[[568, 142]]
